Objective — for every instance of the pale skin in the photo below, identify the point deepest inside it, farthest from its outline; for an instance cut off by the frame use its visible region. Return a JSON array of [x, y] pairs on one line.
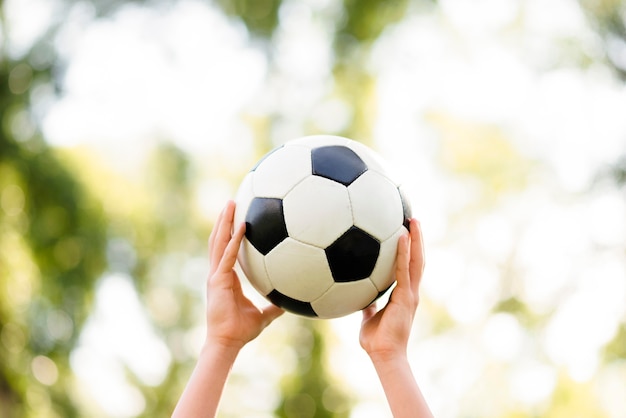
[[233, 321]]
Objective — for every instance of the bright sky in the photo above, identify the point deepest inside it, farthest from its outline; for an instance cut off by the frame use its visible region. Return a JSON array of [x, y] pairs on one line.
[[187, 74]]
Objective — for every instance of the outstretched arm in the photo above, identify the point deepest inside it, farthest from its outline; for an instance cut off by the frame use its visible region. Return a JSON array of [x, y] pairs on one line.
[[232, 321], [385, 334]]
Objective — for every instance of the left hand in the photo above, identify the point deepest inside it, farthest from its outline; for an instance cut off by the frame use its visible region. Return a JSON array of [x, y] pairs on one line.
[[232, 319]]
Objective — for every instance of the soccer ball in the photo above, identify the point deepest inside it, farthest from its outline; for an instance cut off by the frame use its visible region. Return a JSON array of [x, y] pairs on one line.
[[323, 219]]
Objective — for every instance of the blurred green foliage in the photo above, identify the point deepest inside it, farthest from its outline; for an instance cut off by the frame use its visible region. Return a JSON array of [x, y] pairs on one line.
[[52, 241], [607, 18], [364, 20], [62, 213], [310, 392], [260, 17]]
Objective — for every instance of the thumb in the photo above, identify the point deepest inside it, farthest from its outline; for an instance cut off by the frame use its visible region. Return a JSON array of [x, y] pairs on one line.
[[369, 312], [270, 313]]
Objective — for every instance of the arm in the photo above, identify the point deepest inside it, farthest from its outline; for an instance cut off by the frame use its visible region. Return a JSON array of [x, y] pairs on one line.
[[385, 334], [232, 321], [204, 389], [403, 394]]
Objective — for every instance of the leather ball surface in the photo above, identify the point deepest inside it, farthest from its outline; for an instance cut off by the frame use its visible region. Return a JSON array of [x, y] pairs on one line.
[[323, 218]]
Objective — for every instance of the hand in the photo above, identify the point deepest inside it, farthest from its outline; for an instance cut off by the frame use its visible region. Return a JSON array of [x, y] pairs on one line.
[[386, 333], [232, 319]]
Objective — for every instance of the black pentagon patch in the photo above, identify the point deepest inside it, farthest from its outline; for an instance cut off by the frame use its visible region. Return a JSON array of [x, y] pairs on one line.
[[338, 163], [265, 223], [291, 304], [406, 208], [353, 256]]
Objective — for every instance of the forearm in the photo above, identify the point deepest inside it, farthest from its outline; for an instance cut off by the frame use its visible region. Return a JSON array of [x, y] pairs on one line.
[[403, 394], [202, 394]]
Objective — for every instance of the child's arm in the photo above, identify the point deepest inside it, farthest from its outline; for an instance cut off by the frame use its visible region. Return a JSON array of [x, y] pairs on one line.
[[385, 334], [232, 321], [202, 394]]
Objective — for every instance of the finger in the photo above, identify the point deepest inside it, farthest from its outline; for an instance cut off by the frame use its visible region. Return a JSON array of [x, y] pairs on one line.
[[229, 256], [270, 313], [222, 234], [215, 228], [402, 263], [416, 264], [213, 256]]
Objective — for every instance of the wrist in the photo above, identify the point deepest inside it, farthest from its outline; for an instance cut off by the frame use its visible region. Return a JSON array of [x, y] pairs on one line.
[[388, 358], [223, 351]]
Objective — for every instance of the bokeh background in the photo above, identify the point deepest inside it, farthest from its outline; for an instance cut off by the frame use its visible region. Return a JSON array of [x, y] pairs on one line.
[[126, 125]]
